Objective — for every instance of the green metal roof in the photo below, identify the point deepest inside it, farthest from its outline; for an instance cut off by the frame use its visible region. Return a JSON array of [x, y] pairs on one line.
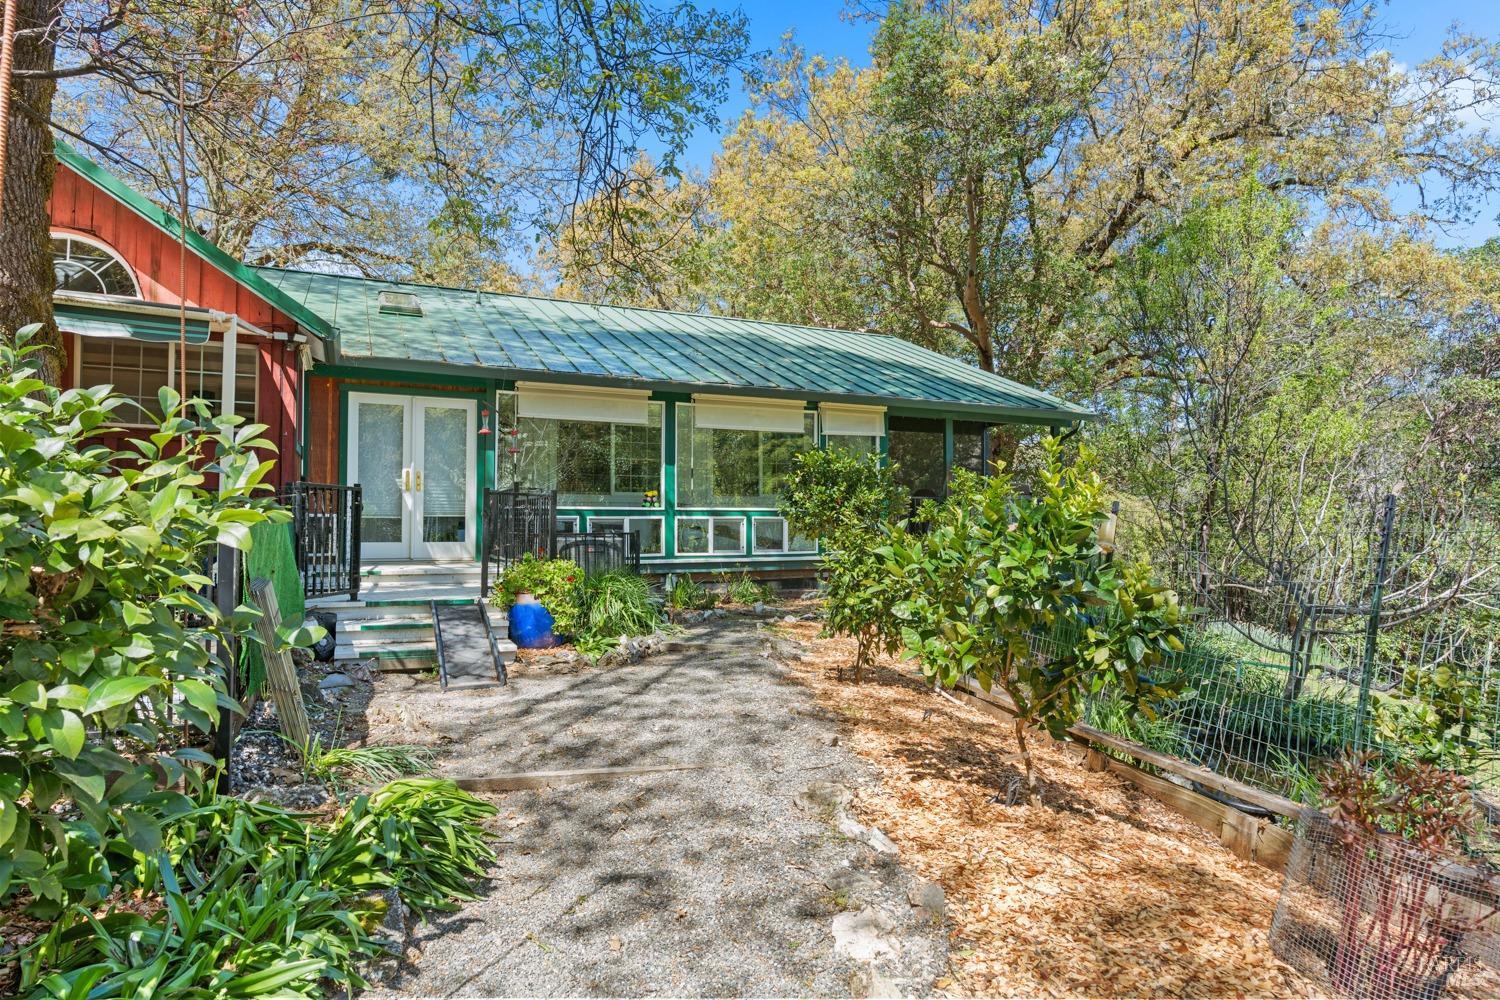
[[107, 322], [147, 209], [522, 337]]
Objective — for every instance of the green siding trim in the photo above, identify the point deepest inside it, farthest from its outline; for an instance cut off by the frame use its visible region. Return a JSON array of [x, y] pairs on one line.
[[242, 273]]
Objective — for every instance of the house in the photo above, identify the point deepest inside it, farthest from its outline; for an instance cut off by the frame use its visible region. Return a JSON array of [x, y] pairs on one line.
[[676, 427]]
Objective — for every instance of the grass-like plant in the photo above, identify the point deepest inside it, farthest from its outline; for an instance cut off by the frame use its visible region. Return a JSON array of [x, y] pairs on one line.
[[367, 765], [687, 594], [256, 902]]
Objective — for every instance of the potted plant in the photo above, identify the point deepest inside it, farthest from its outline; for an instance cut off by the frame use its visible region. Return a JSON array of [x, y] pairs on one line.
[[542, 599]]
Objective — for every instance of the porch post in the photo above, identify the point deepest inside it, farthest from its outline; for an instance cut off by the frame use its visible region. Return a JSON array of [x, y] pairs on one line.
[[231, 346]]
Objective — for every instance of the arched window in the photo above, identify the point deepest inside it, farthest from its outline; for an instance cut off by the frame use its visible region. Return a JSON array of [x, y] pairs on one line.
[[85, 266]]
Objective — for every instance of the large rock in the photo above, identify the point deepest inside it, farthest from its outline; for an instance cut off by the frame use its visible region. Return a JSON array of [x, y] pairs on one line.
[[869, 983], [864, 935]]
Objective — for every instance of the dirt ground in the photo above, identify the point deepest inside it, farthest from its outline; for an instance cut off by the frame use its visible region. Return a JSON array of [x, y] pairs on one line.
[[1097, 891]]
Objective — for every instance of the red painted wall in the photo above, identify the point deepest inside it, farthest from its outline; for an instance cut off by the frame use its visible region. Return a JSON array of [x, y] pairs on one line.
[[81, 208]]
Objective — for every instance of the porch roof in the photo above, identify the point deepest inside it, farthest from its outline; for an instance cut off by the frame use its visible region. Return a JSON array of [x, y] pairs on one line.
[[539, 339]]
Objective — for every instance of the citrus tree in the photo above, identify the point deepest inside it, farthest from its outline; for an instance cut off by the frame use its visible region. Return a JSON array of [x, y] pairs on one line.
[[851, 505], [104, 627], [1015, 592]]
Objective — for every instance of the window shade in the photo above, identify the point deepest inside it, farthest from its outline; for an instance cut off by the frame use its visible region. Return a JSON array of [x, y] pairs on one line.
[[845, 418], [558, 402], [735, 413]]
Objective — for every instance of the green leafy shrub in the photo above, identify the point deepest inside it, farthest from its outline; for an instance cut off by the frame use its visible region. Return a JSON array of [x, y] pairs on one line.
[[104, 632], [997, 570], [555, 583], [687, 594], [851, 504]]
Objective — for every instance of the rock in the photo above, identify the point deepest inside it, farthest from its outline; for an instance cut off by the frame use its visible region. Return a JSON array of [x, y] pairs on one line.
[[758, 608], [850, 887], [293, 797], [829, 739], [718, 613], [929, 898], [334, 682], [869, 983], [824, 798], [863, 935], [811, 595], [870, 836], [393, 926], [789, 619]]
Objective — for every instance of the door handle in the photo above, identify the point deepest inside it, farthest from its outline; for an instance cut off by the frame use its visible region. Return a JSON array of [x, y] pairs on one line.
[[405, 480], [419, 480]]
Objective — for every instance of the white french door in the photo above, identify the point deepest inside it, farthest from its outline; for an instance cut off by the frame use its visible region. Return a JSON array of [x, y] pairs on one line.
[[413, 456]]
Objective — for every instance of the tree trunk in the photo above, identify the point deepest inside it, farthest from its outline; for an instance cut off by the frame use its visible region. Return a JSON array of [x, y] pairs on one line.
[[26, 279], [1029, 788]]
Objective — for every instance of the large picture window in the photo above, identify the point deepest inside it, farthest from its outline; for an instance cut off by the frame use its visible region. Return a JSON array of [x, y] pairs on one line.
[[731, 468], [589, 463]]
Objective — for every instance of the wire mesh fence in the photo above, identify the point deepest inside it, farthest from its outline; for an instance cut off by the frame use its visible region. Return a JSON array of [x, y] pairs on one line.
[[1383, 634], [1372, 915]]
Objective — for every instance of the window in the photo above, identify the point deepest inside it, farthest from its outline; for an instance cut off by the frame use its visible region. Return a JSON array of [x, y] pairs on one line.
[[710, 536], [647, 531], [589, 463], [80, 265], [136, 368], [205, 376], [916, 449], [139, 368], [728, 468], [968, 446], [567, 524], [770, 534], [858, 445]]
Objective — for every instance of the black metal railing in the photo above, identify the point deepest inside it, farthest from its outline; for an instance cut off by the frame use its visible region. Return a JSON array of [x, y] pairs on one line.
[[516, 522], [325, 536], [599, 551], [519, 522]]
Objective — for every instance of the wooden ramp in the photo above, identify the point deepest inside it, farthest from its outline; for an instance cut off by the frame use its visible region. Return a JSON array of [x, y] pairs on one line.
[[468, 651]]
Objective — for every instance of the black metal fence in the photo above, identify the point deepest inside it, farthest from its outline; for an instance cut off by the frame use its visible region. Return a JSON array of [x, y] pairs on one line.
[[325, 536], [519, 522], [599, 551]]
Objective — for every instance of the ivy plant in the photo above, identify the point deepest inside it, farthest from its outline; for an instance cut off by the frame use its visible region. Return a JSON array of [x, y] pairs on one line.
[[1015, 592], [852, 505], [104, 624]]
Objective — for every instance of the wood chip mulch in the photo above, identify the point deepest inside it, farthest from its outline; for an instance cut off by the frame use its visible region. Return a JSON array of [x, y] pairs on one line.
[[1098, 891]]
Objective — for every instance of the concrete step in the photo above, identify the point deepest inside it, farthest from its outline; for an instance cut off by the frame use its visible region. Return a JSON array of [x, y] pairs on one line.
[[412, 593], [396, 570]]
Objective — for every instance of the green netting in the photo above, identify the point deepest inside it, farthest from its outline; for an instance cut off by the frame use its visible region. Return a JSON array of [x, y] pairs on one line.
[[271, 557]]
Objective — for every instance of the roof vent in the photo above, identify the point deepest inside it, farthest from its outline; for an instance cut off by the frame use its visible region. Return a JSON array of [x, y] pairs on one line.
[[400, 303]]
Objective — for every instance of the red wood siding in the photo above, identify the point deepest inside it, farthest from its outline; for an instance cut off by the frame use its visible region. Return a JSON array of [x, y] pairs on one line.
[[81, 208]]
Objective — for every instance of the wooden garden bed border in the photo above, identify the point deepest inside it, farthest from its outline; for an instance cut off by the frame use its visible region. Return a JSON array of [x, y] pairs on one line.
[[1250, 837]]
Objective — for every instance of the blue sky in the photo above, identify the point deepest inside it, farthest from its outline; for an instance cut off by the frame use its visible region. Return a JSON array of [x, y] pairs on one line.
[[1417, 29]]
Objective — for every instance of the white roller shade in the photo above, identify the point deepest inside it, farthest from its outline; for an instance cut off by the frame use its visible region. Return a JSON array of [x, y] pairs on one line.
[[570, 402], [738, 413], [846, 418]]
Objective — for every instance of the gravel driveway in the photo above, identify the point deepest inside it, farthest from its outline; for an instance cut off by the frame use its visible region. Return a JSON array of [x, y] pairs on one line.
[[714, 882]]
